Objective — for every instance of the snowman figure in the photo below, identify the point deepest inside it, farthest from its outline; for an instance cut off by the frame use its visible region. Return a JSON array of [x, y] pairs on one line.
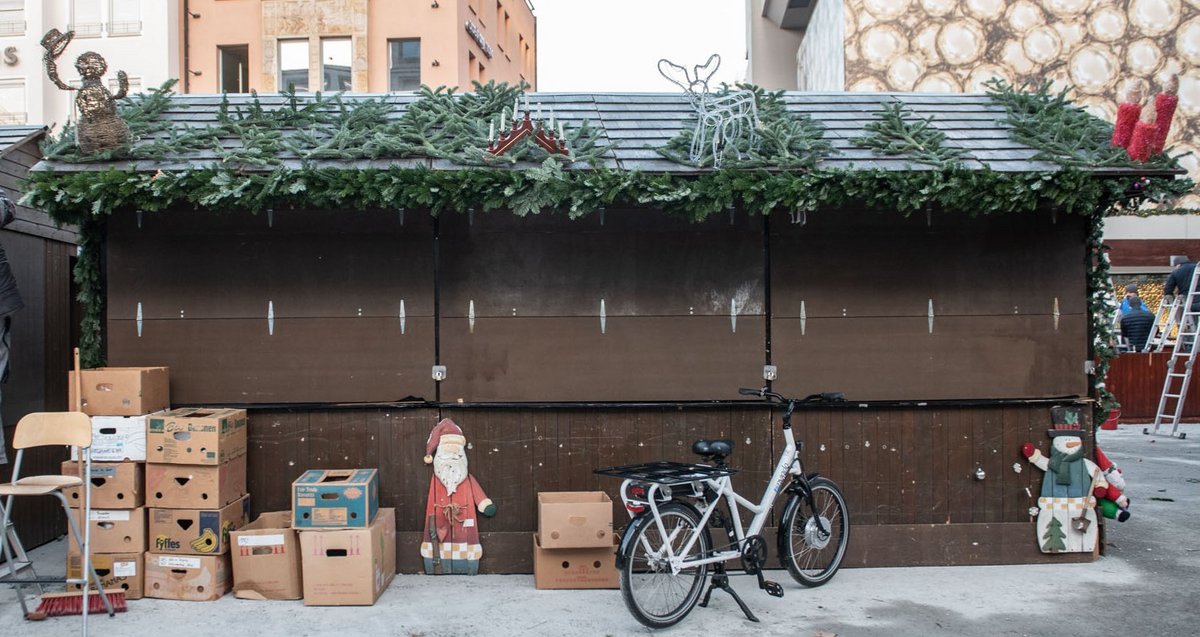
[[1066, 521]]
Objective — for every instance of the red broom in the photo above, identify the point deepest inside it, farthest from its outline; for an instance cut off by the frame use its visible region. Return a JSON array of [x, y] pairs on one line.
[[1164, 104], [61, 604], [1144, 135], [1127, 115]]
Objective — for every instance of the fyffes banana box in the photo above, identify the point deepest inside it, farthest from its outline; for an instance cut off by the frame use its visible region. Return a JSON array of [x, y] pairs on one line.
[[196, 531]]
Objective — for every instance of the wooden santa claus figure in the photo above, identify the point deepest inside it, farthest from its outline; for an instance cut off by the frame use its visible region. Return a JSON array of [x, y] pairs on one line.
[[451, 540]]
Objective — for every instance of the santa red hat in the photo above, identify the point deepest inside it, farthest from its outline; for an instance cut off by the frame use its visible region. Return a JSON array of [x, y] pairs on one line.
[[445, 431]]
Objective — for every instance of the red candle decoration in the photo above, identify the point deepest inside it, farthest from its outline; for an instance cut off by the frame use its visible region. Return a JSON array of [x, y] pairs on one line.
[[1127, 115], [1164, 105], [1144, 135]]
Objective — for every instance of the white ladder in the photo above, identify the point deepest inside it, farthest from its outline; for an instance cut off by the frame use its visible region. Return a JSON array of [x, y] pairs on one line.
[[1165, 317], [20, 561], [1175, 385]]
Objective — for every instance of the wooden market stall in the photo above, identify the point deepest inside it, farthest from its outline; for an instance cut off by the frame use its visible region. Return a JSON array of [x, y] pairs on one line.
[[949, 302], [40, 254]]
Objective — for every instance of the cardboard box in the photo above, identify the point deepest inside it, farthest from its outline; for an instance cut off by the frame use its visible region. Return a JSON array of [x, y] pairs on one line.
[[190, 578], [575, 568], [118, 439], [116, 570], [114, 531], [197, 531], [190, 486], [196, 436], [337, 498], [266, 558], [122, 391], [349, 567], [575, 519], [115, 485]]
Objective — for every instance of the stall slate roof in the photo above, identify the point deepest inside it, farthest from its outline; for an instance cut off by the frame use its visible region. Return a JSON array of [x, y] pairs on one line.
[[13, 136], [635, 124]]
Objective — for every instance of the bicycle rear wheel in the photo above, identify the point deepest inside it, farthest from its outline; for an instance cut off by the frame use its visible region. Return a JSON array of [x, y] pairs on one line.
[[812, 540], [655, 595]]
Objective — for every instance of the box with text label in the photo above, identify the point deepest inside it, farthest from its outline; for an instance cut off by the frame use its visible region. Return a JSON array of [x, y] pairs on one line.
[[115, 485], [575, 519], [349, 567], [122, 391], [196, 531], [189, 578], [266, 558], [335, 498], [196, 436], [114, 530], [121, 571], [191, 486], [118, 439]]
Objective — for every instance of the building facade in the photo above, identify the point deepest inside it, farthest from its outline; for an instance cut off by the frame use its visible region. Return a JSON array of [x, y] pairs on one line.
[[940, 46], [122, 31], [235, 46]]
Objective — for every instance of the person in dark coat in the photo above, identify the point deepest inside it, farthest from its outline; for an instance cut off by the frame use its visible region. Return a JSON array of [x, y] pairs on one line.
[[1136, 324], [1180, 281], [10, 302]]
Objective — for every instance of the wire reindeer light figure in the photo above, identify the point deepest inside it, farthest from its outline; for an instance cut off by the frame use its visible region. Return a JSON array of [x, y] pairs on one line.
[[99, 127], [722, 121]]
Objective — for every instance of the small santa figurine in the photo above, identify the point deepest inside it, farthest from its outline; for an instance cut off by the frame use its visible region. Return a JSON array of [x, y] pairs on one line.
[[1066, 521], [451, 540]]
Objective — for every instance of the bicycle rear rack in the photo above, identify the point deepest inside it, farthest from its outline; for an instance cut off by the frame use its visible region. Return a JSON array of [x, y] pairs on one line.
[[666, 473]]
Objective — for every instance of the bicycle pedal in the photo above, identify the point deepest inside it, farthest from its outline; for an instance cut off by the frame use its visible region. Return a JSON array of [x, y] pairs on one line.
[[773, 588]]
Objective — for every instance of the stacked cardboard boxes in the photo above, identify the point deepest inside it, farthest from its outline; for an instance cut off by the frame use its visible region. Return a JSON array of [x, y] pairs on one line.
[[196, 495], [347, 543], [120, 400], [575, 545]]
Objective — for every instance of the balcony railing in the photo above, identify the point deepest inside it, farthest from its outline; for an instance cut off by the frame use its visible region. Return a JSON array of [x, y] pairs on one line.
[[88, 29], [12, 118], [10, 26], [125, 28]]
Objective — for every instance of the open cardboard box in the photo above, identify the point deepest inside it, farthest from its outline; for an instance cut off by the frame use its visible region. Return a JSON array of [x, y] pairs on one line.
[[122, 391], [575, 519], [266, 558]]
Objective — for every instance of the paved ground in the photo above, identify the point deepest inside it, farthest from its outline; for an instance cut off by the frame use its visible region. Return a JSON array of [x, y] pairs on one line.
[[1146, 585]]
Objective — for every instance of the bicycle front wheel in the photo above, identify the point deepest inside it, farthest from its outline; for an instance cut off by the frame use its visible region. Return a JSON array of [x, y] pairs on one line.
[[813, 539], [657, 596]]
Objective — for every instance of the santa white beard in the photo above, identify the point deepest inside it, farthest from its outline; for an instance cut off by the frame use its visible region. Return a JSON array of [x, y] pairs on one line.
[[450, 469]]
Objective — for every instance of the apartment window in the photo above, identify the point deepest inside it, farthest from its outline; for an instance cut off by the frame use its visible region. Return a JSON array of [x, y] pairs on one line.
[[124, 17], [12, 100], [336, 55], [85, 18], [234, 65], [12, 17], [293, 65], [404, 65], [472, 67], [504, 24], [482, 74]]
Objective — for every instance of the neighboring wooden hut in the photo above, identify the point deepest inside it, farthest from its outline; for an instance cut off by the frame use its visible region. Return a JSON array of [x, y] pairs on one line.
[[944, 290], [41, 255]]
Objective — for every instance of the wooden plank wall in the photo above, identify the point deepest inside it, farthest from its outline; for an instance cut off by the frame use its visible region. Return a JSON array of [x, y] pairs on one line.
[[1136, 379], [512, 306], [908, 474]]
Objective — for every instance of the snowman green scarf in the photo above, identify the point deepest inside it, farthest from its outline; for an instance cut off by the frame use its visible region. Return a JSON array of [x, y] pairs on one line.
[[1068, 471]]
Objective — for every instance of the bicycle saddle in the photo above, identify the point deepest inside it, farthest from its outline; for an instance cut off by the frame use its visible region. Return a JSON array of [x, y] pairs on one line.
[[716, 449]]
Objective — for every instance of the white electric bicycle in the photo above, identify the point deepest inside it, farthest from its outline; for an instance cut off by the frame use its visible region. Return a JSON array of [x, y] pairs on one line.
[[667, 551]]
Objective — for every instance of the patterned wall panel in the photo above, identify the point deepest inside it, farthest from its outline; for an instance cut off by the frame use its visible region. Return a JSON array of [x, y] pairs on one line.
[[1097, 46]]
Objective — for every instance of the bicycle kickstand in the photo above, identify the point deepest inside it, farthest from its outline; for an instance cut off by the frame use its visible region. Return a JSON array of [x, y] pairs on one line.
[[720, 579]]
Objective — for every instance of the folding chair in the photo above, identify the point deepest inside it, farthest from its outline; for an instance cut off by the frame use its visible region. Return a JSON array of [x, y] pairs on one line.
[[41, 430]]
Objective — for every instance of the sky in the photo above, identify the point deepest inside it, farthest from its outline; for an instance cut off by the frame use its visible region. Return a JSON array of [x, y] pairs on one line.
[[615, 45]]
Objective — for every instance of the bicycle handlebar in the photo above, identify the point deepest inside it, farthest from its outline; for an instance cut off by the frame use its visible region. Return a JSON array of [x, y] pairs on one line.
[[827, 397]]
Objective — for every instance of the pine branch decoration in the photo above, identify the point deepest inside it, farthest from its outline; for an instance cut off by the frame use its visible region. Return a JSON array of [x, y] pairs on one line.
[[899, 131]]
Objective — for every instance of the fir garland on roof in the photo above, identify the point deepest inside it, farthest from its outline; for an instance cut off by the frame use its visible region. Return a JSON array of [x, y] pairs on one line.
[[440, 124], [899, 131]]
